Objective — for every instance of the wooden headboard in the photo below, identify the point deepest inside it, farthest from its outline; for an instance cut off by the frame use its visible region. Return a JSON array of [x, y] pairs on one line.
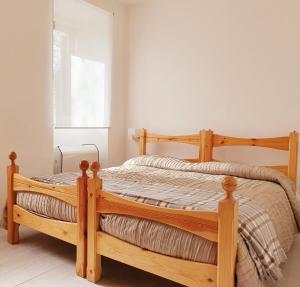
[[288, 143], [193, 139]]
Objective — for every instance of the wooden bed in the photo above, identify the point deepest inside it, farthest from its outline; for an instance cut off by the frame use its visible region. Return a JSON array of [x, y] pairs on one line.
[[220, 226], [75, 195]]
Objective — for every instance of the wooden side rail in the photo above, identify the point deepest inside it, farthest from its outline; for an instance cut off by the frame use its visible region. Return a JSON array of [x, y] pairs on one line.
[[220, 227], [75, 195], [188, 273], [66, 231], [201, 223]]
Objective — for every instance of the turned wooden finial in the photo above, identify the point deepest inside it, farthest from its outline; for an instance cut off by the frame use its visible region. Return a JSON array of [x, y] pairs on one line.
[[84, 165], [95, 168], [13, 157], [229, 185]]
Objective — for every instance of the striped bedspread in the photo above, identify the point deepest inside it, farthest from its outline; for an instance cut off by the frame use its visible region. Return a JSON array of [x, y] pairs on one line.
[[268, 210]]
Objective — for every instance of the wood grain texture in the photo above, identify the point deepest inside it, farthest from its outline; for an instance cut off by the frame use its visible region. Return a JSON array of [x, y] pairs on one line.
[[185, 139], [142, 142], [287, 143], [293, 155], [206, 149], [81, 253], [281, 143], [186, 272], [94, 269], [227, 237], [145, 137], [66, 193], [65, 231], [12, 227], [201, 223]]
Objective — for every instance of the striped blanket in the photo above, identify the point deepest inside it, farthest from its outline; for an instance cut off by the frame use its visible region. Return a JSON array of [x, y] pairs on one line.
[[267, 210]]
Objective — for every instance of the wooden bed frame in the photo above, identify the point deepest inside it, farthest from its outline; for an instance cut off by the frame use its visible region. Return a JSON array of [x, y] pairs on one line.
[[76, 195], [220, 226]]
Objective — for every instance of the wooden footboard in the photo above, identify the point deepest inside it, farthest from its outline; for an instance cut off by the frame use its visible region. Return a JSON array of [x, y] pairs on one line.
[[75, 195], [220, 227]]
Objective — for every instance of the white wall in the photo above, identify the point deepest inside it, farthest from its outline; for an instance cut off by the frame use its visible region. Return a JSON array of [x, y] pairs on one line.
[[232, 66], [25, 87]]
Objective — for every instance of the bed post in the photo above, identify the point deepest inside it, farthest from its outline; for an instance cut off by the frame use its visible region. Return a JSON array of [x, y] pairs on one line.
[[12, 227], [94, 260], [206, 145], [200, 146], [227, 237], [293, 156], [143, 139], [81, 254]]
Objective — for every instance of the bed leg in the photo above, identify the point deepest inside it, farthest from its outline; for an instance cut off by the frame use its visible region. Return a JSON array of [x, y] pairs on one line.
[[94, 269], [12, 227], [81, 254], [227, 238]]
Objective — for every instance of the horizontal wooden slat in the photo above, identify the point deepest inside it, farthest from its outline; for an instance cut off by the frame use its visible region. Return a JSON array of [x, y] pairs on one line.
[[281, 143], [201, 223], [66, 193], [187, 139], [65, 231], [186, 272]]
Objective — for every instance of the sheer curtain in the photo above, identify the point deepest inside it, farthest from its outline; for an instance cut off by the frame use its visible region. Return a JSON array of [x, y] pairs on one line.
[[82, 60]]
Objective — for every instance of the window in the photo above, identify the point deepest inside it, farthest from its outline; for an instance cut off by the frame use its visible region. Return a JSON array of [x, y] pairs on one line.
[[82, 60]]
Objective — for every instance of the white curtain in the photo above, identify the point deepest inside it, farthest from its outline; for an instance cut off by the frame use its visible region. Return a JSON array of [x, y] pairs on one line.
[[82, 60]]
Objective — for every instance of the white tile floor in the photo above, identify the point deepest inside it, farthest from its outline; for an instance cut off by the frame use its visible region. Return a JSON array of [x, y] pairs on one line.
[[42, 261]]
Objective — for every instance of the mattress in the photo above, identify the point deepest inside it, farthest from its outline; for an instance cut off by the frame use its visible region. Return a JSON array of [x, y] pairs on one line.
[[268, 218]]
